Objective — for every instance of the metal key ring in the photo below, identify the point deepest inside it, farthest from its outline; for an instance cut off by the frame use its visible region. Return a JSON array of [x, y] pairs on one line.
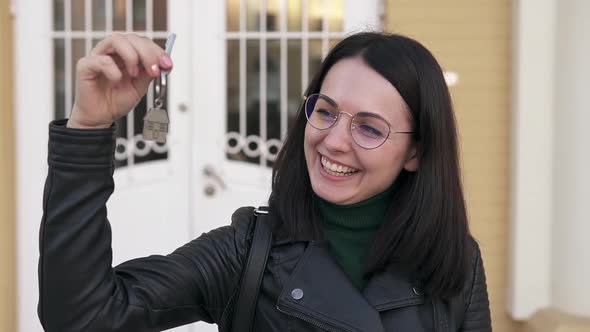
[[160, 86]]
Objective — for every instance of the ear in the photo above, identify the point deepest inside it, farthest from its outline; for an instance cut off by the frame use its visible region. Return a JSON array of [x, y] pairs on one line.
[[412, 162]]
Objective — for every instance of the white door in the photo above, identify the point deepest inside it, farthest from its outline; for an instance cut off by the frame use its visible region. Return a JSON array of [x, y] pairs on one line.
[[253, 60], [149, 210]]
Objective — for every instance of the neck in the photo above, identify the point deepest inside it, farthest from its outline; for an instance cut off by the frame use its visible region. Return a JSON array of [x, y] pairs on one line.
[[350, 230], [367, 213]]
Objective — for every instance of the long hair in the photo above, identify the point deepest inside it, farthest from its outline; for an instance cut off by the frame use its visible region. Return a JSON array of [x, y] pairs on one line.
[[425, 232]]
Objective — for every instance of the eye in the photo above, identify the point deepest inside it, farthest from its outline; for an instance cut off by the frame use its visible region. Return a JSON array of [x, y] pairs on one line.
[[324, 113], [369, 131]]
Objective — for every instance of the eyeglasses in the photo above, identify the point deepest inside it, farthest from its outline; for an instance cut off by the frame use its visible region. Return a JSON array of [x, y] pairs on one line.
[[368, 130]]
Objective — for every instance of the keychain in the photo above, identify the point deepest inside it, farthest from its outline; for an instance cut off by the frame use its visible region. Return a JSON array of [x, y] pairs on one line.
[[156, 121]]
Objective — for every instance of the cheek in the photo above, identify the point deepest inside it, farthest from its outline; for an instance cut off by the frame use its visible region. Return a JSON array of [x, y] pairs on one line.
[[384, 165], [308, 144], [311, 138]]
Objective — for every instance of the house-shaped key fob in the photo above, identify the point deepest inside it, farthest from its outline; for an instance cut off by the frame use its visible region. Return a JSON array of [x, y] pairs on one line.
[[155, 125]]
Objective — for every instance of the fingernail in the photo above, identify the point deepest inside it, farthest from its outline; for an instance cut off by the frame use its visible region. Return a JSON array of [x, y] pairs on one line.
[[155, 69], [165, 61]]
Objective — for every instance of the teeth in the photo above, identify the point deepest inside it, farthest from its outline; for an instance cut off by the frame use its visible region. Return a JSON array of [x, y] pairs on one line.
[[334, 168], [337, 168]]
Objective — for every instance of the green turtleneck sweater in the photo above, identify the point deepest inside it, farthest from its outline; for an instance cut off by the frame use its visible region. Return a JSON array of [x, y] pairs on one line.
[[350, 230]]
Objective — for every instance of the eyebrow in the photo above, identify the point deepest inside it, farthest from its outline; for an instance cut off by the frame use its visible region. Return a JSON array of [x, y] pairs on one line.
[[361, 110]]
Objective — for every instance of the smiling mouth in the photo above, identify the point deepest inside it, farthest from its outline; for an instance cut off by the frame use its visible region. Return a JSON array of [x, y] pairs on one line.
[[336, 169]]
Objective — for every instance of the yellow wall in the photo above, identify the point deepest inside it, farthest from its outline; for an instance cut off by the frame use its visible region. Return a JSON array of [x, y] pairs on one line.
[[7, 202], [473, 38]]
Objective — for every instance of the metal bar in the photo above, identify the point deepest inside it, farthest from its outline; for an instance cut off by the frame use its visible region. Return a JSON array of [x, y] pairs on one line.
[[68, 57], [149, 18], [108, 13], [242, 70], [304, 46], [283, 71], [278, 34], [131, 115], [228, 35], [102, 34], [87, 25], [263, 86], [130, 148], [128, 15], [325, 28]]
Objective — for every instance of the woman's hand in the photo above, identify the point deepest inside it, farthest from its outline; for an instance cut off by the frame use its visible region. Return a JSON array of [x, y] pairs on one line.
[[113, 78]]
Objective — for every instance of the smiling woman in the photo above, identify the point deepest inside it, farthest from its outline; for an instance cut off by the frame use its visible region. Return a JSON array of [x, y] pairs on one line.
[[399, 80], [363, 220]]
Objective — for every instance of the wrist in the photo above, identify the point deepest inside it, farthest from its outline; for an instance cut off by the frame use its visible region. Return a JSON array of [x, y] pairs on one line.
[[74, 123]]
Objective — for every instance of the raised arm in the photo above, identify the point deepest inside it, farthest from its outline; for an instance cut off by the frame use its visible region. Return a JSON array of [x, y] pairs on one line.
[[80, 291]]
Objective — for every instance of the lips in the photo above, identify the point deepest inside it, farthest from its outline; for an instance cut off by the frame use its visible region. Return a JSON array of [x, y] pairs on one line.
[[334, 168]]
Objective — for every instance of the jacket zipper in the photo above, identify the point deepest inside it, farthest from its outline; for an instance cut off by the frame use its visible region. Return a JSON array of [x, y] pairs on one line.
[[310, 321]]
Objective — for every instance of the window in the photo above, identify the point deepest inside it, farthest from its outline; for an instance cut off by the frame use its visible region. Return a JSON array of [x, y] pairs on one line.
[[78, 25], [273, 48]]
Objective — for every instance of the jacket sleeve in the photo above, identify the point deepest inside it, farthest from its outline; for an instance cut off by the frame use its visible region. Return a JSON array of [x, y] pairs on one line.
[[79, 290], [477, 305]]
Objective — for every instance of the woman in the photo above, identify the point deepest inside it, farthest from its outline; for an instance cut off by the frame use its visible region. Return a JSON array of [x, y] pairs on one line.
[[368, 216]]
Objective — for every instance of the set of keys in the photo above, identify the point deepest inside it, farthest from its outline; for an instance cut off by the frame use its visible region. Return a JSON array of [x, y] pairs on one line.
[[156, 121]]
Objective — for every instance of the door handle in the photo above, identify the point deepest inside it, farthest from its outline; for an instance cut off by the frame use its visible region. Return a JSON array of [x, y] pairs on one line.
[[210, 172]]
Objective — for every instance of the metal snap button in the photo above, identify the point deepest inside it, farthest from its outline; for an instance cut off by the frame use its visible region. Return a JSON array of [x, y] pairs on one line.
[[297, 294], [416, 291]]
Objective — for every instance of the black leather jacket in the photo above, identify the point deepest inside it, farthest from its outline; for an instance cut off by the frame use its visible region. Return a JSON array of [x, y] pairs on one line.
[[81, 291]]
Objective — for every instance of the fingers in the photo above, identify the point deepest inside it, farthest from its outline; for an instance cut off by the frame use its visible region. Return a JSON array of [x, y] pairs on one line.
[[137, 53], [152, 56], [91, 66], [142, 83]]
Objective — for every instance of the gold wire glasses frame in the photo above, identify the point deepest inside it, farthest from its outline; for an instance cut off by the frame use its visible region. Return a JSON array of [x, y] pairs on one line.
[[368, 130]]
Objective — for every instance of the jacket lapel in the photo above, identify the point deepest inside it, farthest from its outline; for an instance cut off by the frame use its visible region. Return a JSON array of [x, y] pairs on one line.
[[320, 293], [390, 289]]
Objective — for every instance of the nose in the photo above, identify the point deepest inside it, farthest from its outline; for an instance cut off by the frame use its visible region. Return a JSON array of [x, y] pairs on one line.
[[339, 138]]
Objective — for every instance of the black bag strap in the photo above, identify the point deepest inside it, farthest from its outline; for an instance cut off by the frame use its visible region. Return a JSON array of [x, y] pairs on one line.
[[252, 275]]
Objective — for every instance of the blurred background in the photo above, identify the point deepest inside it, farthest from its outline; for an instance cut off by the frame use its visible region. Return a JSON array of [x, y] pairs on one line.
[[517, 70]]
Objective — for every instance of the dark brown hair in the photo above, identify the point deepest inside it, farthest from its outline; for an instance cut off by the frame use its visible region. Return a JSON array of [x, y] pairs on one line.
[[425, 232]]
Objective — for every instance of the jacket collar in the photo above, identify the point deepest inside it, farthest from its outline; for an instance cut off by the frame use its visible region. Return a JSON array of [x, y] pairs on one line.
[[392, 289], [320, 293]]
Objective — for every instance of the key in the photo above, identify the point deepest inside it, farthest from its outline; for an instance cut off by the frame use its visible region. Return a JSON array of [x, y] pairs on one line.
[[168, 47], [155, 125], [156, 121]]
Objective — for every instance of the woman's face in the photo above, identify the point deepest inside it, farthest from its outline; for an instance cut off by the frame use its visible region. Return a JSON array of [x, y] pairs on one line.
[[356, 87]]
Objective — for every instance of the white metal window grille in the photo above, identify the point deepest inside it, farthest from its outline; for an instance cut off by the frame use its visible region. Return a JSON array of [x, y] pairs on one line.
[[273, 49], [78, 25]]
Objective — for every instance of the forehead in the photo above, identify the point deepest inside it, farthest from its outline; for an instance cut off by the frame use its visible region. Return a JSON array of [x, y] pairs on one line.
[[357, 87]]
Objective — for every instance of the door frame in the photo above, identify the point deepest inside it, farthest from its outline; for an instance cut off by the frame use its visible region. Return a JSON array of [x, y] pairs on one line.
[[32, 26]]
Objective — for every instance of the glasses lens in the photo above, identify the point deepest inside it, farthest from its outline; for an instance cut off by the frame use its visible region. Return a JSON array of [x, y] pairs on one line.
[[320, 112], [369, 130]]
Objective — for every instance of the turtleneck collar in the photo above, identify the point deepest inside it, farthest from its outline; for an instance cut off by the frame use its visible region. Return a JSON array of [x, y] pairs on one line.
[[367, 214]]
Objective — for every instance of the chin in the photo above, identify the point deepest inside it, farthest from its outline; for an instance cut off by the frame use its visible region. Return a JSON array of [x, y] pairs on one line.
[[332, 197]]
